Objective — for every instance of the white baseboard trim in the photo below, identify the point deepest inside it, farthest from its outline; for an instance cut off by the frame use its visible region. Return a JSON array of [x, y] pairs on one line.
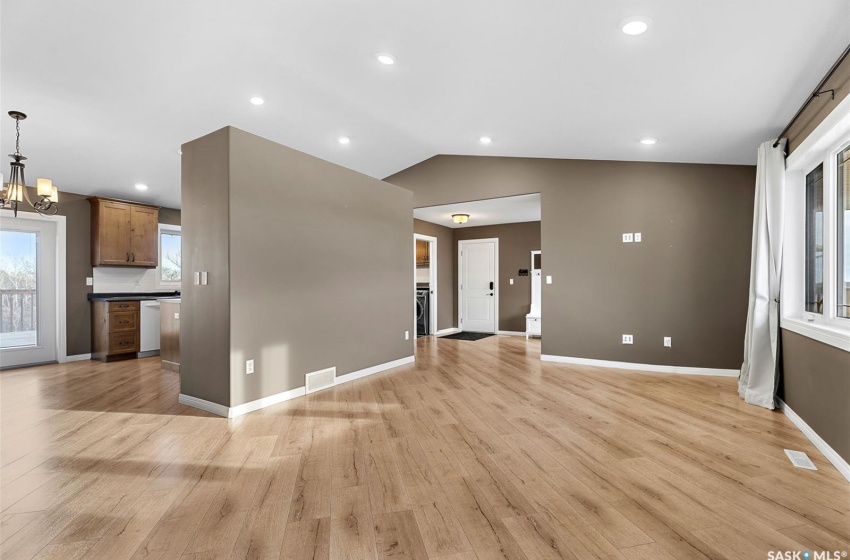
[[247, 407], [374, 369], [239, 410], [201, 404], [511, 333], [837, 460], [640, 367], [446, 331], [76, 358]]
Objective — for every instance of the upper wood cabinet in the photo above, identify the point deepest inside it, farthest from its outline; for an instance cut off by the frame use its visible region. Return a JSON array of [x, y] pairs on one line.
[[423, 253], [123, 233]]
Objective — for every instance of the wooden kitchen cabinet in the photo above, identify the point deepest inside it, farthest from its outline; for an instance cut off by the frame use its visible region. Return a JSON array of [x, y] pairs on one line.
[[115, 330], [123, 233]]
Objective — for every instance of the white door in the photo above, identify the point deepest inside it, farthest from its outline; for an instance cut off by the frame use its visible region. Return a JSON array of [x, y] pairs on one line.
[[478, 296], [27, 291]]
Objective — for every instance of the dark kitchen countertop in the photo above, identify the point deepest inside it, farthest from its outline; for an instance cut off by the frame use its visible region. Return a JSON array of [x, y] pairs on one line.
[[130, 296]]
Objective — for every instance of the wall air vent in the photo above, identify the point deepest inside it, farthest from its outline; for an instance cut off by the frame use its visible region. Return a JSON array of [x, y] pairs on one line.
[[800, 460], [319, 380]]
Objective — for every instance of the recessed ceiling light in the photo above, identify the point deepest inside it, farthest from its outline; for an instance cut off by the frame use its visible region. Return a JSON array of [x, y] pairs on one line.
[[648, 141], [635, 25], [344, 140], [485, 140], [256, 100], [141, 187], [385, 58]]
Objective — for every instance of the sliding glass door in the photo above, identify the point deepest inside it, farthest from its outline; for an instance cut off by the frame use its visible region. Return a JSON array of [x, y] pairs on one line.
[[27, 291]]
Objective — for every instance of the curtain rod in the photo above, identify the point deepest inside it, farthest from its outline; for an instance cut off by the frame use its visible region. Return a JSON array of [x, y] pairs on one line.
[[815, 93]]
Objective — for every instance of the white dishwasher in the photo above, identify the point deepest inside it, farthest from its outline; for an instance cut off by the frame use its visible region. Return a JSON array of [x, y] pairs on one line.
[[149, 335]]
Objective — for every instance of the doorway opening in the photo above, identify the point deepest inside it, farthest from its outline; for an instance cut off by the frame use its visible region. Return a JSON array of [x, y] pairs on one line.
[[425, 284]]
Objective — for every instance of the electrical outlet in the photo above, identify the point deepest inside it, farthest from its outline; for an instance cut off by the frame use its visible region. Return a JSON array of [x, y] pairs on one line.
[[628, 238], [89, 281], [668, 342], [628, 339], [407, 335], [512, 281], [249, 367], [176, 315], [637, 237]]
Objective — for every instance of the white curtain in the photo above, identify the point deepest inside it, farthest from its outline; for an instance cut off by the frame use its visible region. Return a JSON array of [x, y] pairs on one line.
[[760, 370]]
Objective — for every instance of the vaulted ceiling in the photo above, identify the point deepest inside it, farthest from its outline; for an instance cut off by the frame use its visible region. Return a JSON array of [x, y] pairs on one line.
[[113, 88]]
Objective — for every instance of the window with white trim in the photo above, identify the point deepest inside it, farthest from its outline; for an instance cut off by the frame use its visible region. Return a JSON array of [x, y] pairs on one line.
[[815, 288], [169, 272]]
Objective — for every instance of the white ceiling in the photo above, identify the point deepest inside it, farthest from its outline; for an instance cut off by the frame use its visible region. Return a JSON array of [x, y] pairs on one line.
[[114, 88], [505, 210]]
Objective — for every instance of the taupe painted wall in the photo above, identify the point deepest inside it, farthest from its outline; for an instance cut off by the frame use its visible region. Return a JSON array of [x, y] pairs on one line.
[[815, 379], [313, 262], [205, 310], [815, 383], [446, 314], [516, 241], [688, 278], [77, 212], [821, 106]]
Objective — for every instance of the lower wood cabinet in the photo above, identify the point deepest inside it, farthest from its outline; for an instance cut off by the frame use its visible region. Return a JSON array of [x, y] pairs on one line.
[[115, 330]]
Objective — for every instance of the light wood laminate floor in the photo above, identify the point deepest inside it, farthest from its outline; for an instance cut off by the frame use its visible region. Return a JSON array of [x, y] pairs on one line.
[[477, 451]]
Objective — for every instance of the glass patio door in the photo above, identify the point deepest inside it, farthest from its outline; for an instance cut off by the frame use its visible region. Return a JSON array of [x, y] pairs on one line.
[[27, 291]]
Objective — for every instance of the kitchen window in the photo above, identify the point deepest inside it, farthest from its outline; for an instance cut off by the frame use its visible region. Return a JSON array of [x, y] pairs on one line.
[[170, 256]]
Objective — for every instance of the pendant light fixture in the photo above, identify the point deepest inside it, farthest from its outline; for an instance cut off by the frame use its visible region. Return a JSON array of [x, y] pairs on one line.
[[15, 190]]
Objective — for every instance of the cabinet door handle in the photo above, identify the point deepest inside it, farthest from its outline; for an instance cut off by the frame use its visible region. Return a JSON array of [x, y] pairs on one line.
[[133, 257], [128, 257]]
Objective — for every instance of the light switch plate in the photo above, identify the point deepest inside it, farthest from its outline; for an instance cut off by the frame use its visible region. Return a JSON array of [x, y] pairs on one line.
[[89, 281], [668, 342], [197, 278], [407, 335], [512, 281], [176, 315], [249, 367], [204, 278], [548, 279], [637, 237], [628, 339], [628, 238]]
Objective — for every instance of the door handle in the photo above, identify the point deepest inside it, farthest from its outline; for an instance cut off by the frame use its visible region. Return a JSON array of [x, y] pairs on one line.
[[490, 294], [491, 287]]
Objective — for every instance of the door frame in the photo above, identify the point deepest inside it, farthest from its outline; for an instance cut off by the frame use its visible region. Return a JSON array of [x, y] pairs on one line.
[[61, 274], [432, 280], [496, 291]]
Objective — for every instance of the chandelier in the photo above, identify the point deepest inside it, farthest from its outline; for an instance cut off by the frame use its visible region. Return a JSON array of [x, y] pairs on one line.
[[15, 191]]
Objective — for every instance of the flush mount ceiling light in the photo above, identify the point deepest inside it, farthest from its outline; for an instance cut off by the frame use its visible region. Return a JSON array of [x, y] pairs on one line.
[[257, 100], [635, 25], [141, 187], [385, 58], [15, 190], [485, 140], [460, 218], [649, 141], [344, 140]]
